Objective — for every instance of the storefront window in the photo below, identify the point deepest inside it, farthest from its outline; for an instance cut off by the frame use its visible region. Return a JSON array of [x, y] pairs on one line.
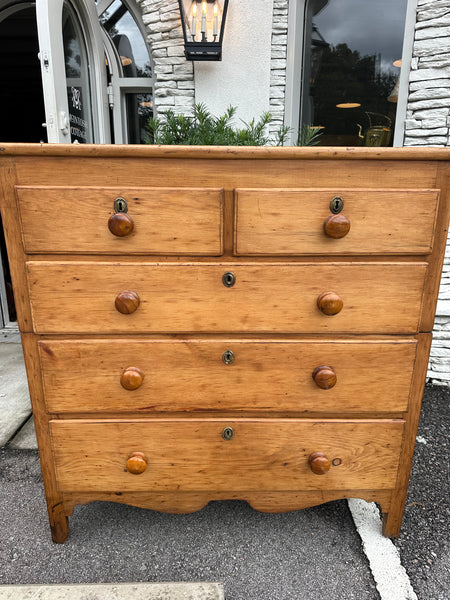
[[352, 63], [128, 40], [129, 74], [139, 109], [77, 77]]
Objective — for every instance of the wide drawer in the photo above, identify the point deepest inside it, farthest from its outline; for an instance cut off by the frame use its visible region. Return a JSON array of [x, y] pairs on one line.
[[198, 375], [76, 297], [291, 221], [192, 455], [165, 220], [81, 297]]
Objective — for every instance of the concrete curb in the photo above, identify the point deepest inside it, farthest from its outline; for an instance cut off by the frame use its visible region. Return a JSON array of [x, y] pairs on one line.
[[121, 591]]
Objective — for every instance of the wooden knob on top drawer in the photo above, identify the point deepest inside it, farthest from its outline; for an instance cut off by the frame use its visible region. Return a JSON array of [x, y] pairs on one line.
[[324, 377], [336, 226], [120, 224], [330, 303], [132, 378], [127, 302], [136, 463], [319, 463]]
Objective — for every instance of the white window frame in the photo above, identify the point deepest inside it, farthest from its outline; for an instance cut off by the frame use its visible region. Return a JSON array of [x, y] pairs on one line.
[[123, 85], [51, 49], [294, 69]]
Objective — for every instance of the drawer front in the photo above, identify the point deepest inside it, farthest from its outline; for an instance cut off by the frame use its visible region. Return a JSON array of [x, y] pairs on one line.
[[291, 221], [197, 375], [81, 297], [192, 455], [164, 220]]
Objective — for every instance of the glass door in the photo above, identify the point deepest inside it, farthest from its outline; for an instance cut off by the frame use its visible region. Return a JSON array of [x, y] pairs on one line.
[[77, 78], [73, 71]]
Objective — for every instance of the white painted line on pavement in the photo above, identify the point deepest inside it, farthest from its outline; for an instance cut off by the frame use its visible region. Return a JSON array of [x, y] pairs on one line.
[[389, 574]]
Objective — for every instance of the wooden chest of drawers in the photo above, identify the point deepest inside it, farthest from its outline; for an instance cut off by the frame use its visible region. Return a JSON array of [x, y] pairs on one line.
[[219, 323]]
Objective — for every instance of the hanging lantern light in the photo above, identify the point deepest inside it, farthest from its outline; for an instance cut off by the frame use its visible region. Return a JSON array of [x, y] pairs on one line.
[[203, 26]]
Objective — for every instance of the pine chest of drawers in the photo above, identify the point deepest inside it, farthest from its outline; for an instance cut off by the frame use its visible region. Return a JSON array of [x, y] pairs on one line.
[[219, 323]]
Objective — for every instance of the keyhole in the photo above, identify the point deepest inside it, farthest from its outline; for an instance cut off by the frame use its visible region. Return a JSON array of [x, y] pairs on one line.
[[336, 205], [228, 433], [228, 357], [120, 205], [228, 279]]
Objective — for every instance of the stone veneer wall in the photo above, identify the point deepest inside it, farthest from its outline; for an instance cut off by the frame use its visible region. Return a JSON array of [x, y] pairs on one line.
[[173, 74], [278, 63], [427, 124], [174, 86]]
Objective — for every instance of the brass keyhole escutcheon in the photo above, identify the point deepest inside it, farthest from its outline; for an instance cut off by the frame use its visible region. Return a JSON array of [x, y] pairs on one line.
[[228, 357], [336, 205], [228, 433], [228, 279], [120, 205]]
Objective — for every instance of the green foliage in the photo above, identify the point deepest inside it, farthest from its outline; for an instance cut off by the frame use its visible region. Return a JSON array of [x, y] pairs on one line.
[[309, 135], [204, 129]]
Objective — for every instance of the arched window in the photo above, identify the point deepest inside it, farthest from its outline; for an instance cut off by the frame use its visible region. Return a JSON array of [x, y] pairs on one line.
[[129, 70], [96, 71]]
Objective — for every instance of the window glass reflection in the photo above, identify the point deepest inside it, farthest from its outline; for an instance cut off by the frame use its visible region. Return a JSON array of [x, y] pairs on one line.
[[351, 69], [128, 40], [77, 78], [139, 109]]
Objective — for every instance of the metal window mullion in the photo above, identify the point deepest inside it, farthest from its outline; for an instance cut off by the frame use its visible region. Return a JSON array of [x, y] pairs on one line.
[[408, 43], [137, 83], [294, 66], [117, 113], [103, 5]]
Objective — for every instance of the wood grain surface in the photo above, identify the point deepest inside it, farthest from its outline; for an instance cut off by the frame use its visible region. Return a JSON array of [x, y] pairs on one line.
[[190, 375], [150, 389], [67, 298], [165, 220], [191, 455], [291, 221]]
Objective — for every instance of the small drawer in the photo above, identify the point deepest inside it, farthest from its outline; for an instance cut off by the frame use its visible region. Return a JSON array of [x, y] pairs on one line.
[[259, 376], [228, 456], [157, 221], [301, 221], [67, 297]]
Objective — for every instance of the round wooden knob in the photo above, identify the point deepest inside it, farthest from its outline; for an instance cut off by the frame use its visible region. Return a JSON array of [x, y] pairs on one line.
[[132, 378], [136, 463], [330, 303], [324, 377], [337, 226], [127, 302], [319, 463], [120, 224]]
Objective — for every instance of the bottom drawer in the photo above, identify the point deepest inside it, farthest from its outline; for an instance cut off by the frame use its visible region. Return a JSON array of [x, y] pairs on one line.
[[194, 455]]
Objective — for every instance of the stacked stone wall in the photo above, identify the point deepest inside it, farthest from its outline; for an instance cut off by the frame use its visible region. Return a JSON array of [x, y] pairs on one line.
[[278, 62], [427, 124], [173, 74], [428, 115]]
